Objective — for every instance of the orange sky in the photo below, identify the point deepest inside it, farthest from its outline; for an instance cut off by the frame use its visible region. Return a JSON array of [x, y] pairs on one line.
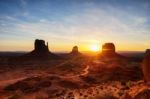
[[64, 24]]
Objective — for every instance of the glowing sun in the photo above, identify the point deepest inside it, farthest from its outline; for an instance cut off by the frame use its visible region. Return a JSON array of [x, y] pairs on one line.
[[94, 47]]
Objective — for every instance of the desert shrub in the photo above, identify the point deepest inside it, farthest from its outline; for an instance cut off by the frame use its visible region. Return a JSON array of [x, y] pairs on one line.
[[128, 84]]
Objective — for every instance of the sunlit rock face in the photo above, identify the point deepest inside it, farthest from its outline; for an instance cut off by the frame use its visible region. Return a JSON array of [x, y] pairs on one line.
[[75, 50], [108, 49], [146, 66]]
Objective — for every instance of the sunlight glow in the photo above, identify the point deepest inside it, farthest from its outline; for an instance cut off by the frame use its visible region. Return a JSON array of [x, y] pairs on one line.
[[94, 47]]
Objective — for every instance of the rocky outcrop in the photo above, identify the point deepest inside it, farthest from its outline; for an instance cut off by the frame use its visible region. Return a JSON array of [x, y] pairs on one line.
[[41, 51], [137, 90], [39, 46], [75, 50], [109, 52], [74, 53], [146, 66], [108, 49]]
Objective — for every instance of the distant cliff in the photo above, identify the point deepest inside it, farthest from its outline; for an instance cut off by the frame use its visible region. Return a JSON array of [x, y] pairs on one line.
[[41, 51], [146, 66], [75, 51], [109, 51]]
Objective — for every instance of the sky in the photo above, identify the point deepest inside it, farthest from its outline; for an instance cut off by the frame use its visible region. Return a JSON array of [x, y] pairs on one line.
[[65, 23]]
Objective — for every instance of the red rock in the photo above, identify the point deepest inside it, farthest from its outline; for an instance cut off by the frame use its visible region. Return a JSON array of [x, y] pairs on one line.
[[145, 94], [75, 50], [108, 49], [146, 66], [41, 51], [126, 96], [39, 46]]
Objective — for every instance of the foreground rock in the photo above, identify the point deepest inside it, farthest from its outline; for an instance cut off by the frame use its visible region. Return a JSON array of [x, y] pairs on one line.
[[146, 66], [137, 90]]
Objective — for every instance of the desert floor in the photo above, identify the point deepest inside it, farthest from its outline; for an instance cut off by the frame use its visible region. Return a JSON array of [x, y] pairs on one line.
[[74, 78]]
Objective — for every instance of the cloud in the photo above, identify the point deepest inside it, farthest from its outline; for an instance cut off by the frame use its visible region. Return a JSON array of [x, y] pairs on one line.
[[23, 2], [91, 24], [94, 24]]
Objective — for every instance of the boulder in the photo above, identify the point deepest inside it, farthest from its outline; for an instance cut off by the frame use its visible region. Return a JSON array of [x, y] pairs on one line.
[[146, 66]]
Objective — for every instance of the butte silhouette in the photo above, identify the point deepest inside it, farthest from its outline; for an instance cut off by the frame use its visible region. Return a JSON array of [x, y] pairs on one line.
[[41, 51], [109, 51], [75, 51]]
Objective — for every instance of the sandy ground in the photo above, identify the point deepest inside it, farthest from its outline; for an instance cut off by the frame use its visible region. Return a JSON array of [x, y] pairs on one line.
[[78, 78]]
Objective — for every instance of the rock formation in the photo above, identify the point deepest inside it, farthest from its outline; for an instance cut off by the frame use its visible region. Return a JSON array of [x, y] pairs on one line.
[[146, 66], [108, 49], [41, 51], [75, 50], [39, 46]]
